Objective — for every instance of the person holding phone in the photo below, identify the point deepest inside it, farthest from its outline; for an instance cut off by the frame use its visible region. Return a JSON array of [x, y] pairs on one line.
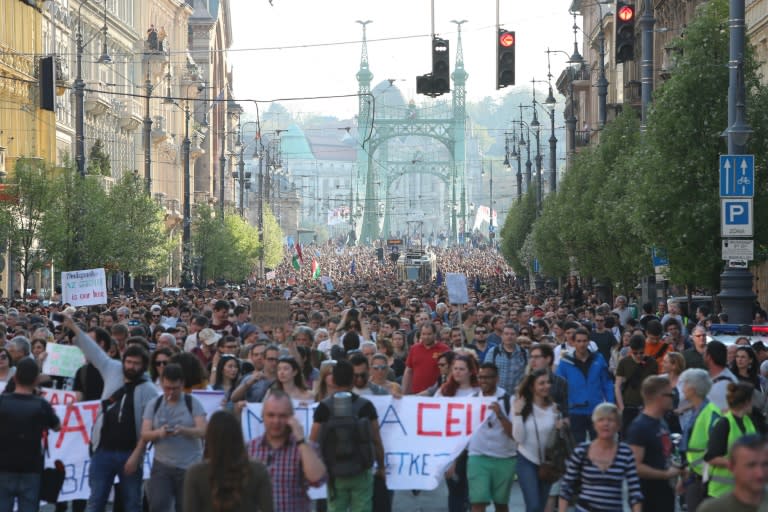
[[293, 462], [175, 423]]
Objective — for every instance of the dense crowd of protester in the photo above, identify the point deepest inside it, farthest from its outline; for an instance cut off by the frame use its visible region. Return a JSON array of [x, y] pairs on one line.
[[651, 401]]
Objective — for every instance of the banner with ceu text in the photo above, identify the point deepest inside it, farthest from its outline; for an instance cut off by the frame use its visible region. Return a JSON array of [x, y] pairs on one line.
[[421, 436]]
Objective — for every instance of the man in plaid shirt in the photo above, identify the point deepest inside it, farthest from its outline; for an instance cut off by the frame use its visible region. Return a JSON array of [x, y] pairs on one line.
[[293, 462]]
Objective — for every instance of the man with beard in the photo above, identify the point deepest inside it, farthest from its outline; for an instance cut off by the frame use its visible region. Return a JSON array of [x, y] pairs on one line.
[[116, 441]]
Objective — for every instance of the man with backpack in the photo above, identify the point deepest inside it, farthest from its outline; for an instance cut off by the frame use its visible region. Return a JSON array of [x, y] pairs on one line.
[[175, 423], [630, 374], [492, 452], [346, 427], [510, 359], [117, 448]]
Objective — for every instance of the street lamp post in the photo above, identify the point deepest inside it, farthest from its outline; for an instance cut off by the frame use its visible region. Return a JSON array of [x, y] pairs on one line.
[[79, 86], [536, 126], [241, 176], [736, 294], [147, 138], [186, 236]]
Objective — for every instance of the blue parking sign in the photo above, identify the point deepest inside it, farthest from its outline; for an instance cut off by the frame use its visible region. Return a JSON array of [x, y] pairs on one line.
[[736, 217]]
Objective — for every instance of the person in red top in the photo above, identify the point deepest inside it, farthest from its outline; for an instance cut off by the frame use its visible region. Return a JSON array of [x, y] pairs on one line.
[[421, 369]]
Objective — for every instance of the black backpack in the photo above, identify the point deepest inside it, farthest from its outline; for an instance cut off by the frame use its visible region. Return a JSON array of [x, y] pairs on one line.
[[346, 442]]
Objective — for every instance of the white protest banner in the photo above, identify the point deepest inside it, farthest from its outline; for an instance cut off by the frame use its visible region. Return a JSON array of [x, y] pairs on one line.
[[84, 287], [70, 446], [421, 435], [210, 400], [62, 360], [58, 396]]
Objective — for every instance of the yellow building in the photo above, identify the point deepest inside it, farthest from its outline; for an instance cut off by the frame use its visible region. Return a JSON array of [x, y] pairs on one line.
[[25, 129]]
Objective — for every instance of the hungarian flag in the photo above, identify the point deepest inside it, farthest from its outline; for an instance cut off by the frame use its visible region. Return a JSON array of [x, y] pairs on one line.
[[298, 252], [315, 269], [295, 262]]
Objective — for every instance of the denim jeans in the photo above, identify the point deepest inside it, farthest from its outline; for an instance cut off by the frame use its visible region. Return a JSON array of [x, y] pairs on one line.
[[535, 491], [105, 466], [165, 488], [458, 487], [23, 487], [581, 424]]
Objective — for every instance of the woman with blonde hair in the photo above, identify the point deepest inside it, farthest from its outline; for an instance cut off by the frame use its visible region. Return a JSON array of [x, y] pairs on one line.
[[596, 471]]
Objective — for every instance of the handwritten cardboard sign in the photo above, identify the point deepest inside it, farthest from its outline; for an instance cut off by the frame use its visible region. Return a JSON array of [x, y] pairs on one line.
[[62, 360], [84, 287]]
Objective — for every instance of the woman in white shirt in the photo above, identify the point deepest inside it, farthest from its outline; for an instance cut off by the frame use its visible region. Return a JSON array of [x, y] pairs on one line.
[[535, 417]]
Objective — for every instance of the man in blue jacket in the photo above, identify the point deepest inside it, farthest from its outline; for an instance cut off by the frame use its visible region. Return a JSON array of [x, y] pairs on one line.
[[589, 384]]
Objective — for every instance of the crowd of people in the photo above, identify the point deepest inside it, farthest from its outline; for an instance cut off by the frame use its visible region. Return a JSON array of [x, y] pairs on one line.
[[652, 402]]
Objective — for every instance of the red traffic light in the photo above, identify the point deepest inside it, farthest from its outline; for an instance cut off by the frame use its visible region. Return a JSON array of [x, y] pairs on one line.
[[506, 39], [626, 13]]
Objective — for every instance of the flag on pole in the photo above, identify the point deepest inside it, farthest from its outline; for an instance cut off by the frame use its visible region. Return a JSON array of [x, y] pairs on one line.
[[298, 252], [352, 267], [295, 262], [315, 269]]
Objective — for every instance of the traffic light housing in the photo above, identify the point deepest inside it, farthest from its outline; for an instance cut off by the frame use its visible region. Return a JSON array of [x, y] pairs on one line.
[[47, 82], [439, 80], [505, 58], [625, 31], [441, 67]]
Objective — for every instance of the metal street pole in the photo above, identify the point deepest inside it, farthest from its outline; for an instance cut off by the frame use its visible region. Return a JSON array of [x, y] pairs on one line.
[[79, 88], [223, 170], [241, 178], [187, 211], [490, 190], [147, 138], [646, 23], [737, 297], [602, 81], [261, 210]]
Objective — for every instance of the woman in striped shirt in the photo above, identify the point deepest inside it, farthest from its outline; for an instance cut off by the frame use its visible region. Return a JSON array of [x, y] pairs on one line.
[[596, 470]]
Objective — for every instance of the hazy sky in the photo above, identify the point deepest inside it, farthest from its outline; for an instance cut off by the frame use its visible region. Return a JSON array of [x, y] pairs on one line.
[[291, 49]]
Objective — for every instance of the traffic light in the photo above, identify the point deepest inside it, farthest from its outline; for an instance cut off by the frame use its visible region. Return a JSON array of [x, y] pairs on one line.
[[625, 31], [47, 81], [505, 58], [439, 80], [441, 67]]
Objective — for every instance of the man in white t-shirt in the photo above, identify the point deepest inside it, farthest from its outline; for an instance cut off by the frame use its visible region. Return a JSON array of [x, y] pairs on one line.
[[492, 452]]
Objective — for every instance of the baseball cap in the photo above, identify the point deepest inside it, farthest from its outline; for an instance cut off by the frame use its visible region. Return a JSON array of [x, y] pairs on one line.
[[209, 336]]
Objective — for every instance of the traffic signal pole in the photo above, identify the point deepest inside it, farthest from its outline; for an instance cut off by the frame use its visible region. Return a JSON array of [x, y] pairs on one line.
[[646, 63]]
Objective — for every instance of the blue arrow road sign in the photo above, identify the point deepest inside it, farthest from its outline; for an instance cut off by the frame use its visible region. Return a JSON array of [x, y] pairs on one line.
[[737, 175]]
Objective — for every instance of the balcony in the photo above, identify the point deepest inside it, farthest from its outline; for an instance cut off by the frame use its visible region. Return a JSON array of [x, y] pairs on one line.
[[159, 133], [582, 138], [130, 115], [96, 104]]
